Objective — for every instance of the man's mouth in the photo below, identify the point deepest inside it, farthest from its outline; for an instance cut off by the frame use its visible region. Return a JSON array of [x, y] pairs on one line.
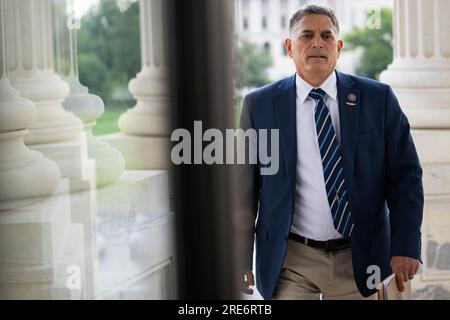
[[317, 56]]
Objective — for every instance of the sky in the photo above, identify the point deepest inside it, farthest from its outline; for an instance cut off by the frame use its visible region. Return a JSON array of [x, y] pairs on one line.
[[82, 6]]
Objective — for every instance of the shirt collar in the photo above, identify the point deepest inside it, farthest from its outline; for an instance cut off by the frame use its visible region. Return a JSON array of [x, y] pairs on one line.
[[329, 86]]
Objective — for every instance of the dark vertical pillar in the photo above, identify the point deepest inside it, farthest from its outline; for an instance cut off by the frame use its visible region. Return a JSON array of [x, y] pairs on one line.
[[200, 45]]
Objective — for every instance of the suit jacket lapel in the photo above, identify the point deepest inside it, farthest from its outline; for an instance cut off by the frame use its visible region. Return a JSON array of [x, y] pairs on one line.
[[349, 104], [285, 111]]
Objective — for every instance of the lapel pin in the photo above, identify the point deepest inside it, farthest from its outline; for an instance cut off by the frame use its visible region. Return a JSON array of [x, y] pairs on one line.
[[351, 99]]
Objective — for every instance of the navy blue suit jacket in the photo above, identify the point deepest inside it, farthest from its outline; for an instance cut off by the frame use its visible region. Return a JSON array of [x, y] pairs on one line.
[[382, 171]]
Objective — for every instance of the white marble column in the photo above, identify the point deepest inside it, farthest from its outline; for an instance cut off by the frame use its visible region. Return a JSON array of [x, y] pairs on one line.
[[150, 87], [145, 128], [32, 71], [420, 72], [56, 132], [420, 77], [109, 162], [24, 174], [34, 201]]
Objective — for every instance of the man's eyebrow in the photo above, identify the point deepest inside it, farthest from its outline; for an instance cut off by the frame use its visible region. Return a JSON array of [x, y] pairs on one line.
[[312, 31]]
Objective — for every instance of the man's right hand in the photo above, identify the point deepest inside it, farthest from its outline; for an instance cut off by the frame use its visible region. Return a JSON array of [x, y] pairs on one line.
[[248, 280]]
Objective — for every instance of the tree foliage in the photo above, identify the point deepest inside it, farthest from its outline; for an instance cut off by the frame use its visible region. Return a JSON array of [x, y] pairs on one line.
[[109, 47], [251, 64], [377, 45]]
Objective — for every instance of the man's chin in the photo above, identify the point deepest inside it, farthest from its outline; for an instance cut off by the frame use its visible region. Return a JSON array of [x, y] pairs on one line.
[[318, 68]]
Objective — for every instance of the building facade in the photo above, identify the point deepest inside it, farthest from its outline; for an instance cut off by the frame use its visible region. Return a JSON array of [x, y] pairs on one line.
[[266, 23]]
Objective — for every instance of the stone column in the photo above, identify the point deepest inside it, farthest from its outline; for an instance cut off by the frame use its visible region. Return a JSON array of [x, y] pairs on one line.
[[53, 224], [145, 128], [109, 163], [420, 72], [32, 71], [24, 174], [420, 77], [56, 132], [34, 201]]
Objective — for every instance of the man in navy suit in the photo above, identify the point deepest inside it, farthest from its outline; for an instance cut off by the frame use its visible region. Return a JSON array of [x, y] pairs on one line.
[[344, 210]]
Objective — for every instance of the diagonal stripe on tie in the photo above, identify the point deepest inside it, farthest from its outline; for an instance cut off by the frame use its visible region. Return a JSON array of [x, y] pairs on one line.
[[333, 170]]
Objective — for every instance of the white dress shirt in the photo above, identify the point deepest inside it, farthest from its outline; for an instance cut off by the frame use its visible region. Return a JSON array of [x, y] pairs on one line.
[[312, 217]]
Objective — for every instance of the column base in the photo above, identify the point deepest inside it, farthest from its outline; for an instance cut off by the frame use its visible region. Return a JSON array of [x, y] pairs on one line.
[[141, 152], [425, 108], [25, 174], [109, 162], [47, 91], [70, 156], [141, 121], [417, 73], [422, 87], [40, 133]]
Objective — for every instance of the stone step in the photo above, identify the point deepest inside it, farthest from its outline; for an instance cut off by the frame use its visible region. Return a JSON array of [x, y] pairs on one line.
[[432, 145]]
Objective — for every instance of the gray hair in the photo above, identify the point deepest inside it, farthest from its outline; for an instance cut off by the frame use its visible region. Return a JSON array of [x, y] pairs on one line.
[[313, 9]]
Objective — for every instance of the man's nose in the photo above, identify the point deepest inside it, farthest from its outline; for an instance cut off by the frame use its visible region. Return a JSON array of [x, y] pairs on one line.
[[317, 42]]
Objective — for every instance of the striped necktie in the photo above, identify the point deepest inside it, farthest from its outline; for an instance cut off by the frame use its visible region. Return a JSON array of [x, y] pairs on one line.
[[333, 170]]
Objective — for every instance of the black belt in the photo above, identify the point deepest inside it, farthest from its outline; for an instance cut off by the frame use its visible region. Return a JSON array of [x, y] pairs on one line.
[[329, 245]]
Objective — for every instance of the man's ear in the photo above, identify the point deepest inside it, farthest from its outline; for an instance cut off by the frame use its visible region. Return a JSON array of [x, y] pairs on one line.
[[340, 45], [288, 47]]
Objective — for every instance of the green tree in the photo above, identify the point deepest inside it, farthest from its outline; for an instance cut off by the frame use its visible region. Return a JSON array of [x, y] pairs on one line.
[[109, 47], [251, 64], [377, 45]]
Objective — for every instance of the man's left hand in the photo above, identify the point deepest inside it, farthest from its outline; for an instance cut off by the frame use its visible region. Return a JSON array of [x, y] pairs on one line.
[[404, 268]]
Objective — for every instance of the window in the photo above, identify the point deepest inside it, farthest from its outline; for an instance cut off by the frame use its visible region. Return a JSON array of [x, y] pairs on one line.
[[245, 23], [283, 22], [245, 5], [265, 4], [267, 47], [264, 23]]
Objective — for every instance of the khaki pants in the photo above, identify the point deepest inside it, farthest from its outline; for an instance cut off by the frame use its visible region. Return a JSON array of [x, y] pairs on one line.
[[308, 272]]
